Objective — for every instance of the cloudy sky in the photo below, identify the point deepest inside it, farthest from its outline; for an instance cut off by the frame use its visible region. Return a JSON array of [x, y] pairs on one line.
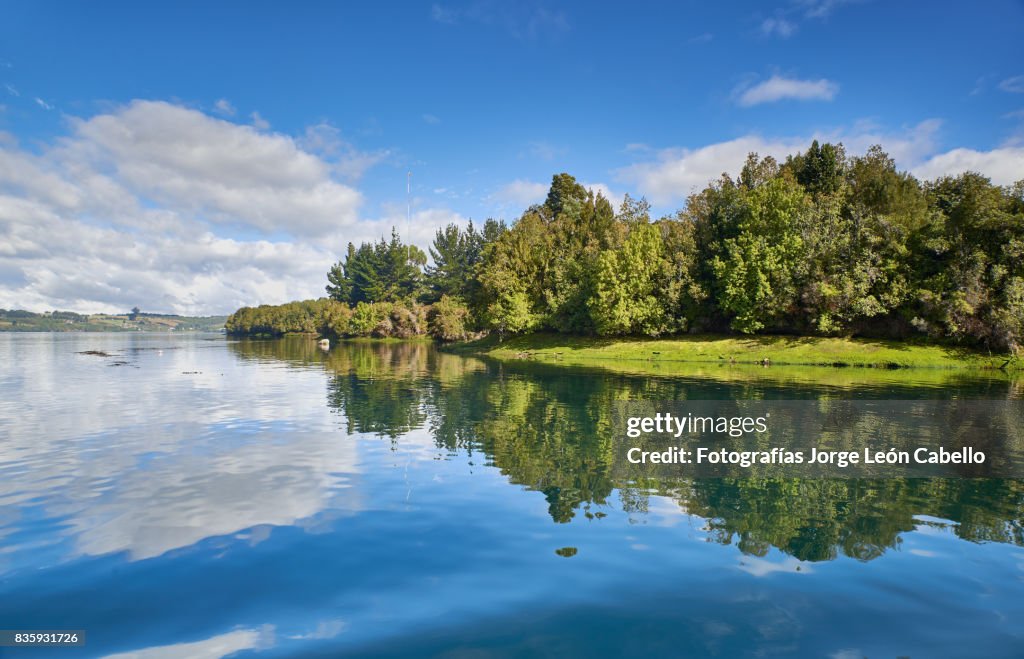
[[194, 157]]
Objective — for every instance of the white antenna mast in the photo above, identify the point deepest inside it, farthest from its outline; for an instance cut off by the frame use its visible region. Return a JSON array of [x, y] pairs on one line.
[[408, 214]]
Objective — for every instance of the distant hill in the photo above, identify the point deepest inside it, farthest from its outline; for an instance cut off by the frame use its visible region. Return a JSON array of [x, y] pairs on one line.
[[17, 320]]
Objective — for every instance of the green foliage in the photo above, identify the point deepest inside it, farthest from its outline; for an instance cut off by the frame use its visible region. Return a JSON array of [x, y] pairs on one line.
[[626, 299], [340, 282], [385, 271], [367, 317], [677, 285], [759, 269], [820, 170], [858, 246], [972, 276], [305, 317], [512, 274], [386, 320], [541, 272], [454, 253], [824, 244], [565, 195], [456, 256], [326, 317], [448, 320]]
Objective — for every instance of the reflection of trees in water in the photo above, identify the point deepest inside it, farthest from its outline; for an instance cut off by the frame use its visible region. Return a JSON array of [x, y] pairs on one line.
[[549, 429], [815, 519]]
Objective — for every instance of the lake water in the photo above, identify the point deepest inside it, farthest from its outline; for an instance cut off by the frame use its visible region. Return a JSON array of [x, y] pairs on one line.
[[200, 497]]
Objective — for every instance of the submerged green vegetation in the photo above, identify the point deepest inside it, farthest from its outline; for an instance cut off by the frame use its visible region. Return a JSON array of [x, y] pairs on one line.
[[821, 245]]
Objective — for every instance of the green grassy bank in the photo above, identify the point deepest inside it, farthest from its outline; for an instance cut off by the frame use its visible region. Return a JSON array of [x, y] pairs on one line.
[[762, 350]]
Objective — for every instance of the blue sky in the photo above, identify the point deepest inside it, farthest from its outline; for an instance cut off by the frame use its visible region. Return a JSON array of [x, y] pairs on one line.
[[193, 157]]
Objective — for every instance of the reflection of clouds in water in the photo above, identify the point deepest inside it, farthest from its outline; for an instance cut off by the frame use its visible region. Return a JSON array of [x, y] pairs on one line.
[[150, 459], [211, 648], [222, 645], [179, 500], [325, 629], [926, 553], [51, 390], [848, 653], [760, 567], [666, 512]]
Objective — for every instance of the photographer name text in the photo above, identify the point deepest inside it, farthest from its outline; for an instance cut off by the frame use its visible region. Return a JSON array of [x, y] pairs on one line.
[[781, 456]]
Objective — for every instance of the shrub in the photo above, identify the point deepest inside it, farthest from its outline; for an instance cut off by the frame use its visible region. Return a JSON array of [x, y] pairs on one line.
[[448, 319]]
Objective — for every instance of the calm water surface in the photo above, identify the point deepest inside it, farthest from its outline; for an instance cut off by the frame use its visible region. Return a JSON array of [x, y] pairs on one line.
[[199, 497]]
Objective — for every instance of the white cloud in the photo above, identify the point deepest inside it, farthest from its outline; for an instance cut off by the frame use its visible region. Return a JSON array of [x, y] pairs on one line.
[[223, 106], [677, 172], [12, 91], [36, 178], [541, 150], [43, 104], [164, 206], [521, 193], [326, 141], [821, 8], [1004, 165], [211, 648], [907, 146], [431, 119], [1014, 85], [980, 84], [778, 27], [258, 122], [229, 174], [785, 21], [778, 88], [444, 15], [58, 261], [419, 231], [519, 20], [615, 198]]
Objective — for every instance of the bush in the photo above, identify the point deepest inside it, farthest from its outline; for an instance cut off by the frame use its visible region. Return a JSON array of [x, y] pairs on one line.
[[331, 318], [407, 322], [448, 319], [368, 318]]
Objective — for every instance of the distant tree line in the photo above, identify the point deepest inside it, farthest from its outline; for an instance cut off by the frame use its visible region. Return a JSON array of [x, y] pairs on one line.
[[820, 244], [20, 320]]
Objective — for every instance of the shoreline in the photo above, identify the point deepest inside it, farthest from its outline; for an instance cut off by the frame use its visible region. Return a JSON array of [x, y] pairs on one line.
[[748, 351]]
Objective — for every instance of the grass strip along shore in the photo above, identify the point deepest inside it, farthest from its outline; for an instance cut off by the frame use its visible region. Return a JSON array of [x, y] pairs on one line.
[[760, 350]]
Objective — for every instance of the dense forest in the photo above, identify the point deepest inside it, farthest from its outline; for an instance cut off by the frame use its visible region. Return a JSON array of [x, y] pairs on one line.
[[821, 244]]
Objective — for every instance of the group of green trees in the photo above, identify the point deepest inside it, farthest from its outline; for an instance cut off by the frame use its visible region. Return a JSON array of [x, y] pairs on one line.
[[823, 243]]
